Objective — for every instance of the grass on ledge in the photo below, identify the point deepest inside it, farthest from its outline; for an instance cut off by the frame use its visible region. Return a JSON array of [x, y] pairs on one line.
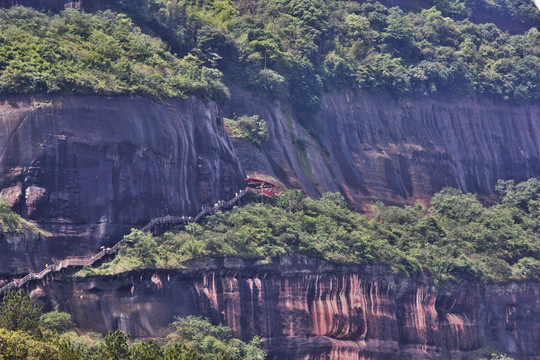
[[12, 223]]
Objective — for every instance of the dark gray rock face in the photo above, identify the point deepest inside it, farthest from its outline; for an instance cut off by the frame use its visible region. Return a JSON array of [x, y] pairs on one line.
[[55, 5], [87, 169], [307, 309], [376, 147]]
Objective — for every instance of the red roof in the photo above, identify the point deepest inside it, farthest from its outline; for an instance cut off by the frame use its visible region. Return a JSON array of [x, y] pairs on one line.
[[262, 187]]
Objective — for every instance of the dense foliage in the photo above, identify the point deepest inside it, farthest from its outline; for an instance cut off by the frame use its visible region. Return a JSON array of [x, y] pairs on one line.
[[24, 335], [205, 338], [456, 238], [102, 53], [294, 49], [299, 48], [251, 128]]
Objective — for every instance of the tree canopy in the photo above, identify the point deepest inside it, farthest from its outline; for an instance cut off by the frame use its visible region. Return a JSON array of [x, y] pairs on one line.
[[292, 49], [26, 333], [456, 238]]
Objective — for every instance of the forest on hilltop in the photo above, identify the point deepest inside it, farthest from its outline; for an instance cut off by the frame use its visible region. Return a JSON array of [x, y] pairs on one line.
[[291, 49]]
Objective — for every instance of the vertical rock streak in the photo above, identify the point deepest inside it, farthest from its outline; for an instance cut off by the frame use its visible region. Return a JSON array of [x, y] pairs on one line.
[[305, 310]]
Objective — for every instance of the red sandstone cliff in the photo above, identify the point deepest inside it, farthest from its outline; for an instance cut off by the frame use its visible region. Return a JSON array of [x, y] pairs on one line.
[[306, 309], [375, 147], [88, 169]]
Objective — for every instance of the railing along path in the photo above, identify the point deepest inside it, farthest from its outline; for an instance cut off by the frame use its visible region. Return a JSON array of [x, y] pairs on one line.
[[90, 260]]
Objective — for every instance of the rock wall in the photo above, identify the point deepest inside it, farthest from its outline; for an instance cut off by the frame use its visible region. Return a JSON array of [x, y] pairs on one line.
[[376, 147], [55, 5], [21, 254], [87, 169], [307, 309]]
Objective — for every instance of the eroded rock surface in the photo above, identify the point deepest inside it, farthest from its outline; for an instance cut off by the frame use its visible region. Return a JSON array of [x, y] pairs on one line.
[[375, 147], [307, 309], [87, 169]]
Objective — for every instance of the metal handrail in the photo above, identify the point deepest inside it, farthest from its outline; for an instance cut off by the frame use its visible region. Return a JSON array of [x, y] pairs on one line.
[[90, 260]]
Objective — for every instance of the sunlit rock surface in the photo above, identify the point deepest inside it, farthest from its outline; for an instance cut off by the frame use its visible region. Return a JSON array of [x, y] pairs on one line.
[[307, 309]]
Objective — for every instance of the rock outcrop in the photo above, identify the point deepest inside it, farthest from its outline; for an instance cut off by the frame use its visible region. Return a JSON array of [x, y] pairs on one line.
[[307, 309], [376, 147], [87, 169]]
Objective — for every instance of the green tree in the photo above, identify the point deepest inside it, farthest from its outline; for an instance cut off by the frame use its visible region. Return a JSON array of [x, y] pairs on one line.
[[69, 351], [290, 199], [19, 345], [57, 321], [180, 352], [115, 346], [199, 334], [18, 313], [148, 350], [143, 245]]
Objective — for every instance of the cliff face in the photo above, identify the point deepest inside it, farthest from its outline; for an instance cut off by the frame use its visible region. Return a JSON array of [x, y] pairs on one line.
[[376, 147], [306, 309], [20, 253], [93, 167], [54, 5]]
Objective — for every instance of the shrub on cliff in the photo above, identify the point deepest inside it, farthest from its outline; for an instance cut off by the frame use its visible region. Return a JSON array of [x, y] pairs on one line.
[[251, 128], [456, 238], [9, 221]]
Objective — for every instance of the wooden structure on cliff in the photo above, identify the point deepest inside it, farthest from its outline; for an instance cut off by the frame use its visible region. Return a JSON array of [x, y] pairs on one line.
[[262, 187], [72, 5]]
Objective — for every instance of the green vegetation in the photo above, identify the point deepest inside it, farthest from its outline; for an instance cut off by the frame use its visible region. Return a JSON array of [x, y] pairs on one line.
[[17, 313], [205, 338], [24, 336], [488, 352], [251, 128], [456, 238], [60, 322], [291, 49], [297, 49], [9, 221], [102, 53], [523, 11]]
